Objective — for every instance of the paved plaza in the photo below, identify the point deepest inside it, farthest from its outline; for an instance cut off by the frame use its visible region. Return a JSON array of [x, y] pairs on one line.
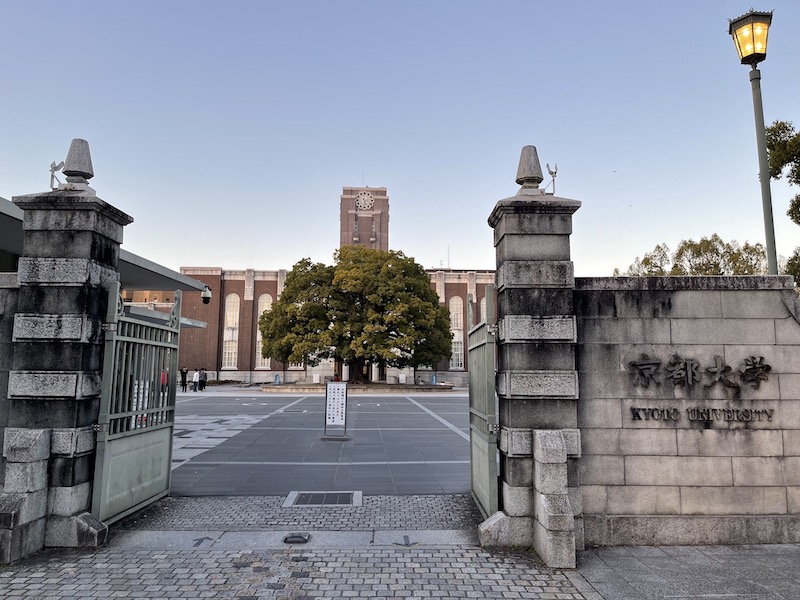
[[213, 541]]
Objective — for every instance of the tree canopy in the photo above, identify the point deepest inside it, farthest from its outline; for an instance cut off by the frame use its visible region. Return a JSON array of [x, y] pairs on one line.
[[371, 306], [783, 148], [709, 256]]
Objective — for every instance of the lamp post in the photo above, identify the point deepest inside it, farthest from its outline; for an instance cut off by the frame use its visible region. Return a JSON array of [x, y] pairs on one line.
[[749, 33]]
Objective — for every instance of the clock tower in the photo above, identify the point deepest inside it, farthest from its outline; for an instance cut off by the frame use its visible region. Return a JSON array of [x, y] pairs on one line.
[[364, 217]]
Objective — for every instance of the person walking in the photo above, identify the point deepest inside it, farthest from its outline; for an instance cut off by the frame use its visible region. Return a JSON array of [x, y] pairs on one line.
[[195, 380], [184, 375], [203, 380]]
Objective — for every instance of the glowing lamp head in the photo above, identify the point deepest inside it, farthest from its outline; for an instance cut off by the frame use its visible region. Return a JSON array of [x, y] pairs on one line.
[[749, 33]]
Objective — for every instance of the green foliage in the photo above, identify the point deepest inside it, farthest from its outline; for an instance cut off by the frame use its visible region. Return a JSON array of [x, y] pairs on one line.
[[371, 307], [783, 147], [709, 256], [793, 266]]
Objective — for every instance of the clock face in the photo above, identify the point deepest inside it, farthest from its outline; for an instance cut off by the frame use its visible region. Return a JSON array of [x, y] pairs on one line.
[[364, 200]]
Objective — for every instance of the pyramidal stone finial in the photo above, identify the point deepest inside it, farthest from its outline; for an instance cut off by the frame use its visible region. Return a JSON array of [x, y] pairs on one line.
[[79, 161], [78, 167], [529, 173]]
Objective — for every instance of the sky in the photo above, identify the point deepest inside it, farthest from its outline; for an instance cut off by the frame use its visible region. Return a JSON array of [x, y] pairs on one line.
[[228, 129]]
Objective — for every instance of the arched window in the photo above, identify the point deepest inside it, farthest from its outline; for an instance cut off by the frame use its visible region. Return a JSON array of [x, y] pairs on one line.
[[456, 329], [230, 337], [264, 305]]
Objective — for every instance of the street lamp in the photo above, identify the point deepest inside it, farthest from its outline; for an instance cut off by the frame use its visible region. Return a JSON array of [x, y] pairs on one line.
[[749, 33]]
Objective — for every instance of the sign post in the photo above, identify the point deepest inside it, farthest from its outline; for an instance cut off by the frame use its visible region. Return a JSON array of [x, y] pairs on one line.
[[335, 409]]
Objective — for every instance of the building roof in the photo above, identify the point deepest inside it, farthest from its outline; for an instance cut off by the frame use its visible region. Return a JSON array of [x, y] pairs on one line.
[[136, 272]]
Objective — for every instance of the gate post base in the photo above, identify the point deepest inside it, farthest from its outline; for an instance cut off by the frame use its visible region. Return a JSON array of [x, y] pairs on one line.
[[501, 530], [21, 541], [77, 531]]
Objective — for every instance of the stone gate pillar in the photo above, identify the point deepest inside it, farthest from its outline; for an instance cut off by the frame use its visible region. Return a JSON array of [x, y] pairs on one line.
[[537, 383], [71, 249]]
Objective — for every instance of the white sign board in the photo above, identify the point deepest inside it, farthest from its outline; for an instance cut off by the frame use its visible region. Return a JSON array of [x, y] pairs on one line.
[[335, 403]]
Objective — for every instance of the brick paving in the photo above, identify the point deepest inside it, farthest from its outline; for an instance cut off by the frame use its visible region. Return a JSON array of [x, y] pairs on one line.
[[265, 513], [299, 573], [296, 574]]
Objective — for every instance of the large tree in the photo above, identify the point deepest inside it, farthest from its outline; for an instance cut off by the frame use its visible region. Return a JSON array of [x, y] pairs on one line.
[[783, 146], [371, 307], [709, 256]]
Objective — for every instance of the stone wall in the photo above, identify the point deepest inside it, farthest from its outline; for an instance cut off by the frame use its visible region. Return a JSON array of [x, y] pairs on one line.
[[689, 410], [8, 306]]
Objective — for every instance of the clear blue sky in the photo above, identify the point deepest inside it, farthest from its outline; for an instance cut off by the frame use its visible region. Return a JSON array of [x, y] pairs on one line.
[[227, 129]]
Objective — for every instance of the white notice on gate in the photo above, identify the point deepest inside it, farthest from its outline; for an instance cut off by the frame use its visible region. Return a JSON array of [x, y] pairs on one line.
[[335, 403]]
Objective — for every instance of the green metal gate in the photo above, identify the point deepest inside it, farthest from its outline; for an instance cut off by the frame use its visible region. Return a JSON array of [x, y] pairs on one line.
[[137, 410], [482, 403]]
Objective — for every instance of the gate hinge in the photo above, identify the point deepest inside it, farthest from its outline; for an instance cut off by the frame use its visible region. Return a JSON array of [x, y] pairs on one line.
[[109, 326], [491, 328], [494, 429], [100, 427]]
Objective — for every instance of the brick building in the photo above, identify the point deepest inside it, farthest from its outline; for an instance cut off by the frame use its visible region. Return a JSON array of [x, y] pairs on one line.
[[229, 347]]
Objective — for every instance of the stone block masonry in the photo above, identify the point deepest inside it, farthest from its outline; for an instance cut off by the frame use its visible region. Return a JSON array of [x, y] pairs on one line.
[[53, 381], [689, 410]]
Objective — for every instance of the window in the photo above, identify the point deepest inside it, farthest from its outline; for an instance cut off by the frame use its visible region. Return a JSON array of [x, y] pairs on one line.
[[483, 308], [456, 329], [264, 305], [456, 313], [230, 338], [457, 357]]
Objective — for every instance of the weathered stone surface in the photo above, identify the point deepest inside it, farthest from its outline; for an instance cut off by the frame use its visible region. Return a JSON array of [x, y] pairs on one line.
[[535, 356], [554, 512], [603, 530], [69, 201], [538, 384], [53, 413], [535, 273], [517, 501], [723, 331], [532, 247], [501, 530], [74, 220], [600, 412], [624, 331], [72, 441], [516, 471], [555, 548], [72, 244], [68, 501], [80, 531], [528, 328], [26, 445], [17, 508], [21, 541], [534, 301], [549, 446], [23, 477], [546, 413], [516, 442], [54, 384], [730, 442], [549, 478], [766, 470], [53, 327], [572, 442], [602, 470], [642, 500], [64, 271], [625, 442], [72, 471], [674, 470]]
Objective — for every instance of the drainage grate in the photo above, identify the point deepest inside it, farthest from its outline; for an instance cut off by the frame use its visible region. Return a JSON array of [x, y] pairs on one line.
[[323, 499]]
